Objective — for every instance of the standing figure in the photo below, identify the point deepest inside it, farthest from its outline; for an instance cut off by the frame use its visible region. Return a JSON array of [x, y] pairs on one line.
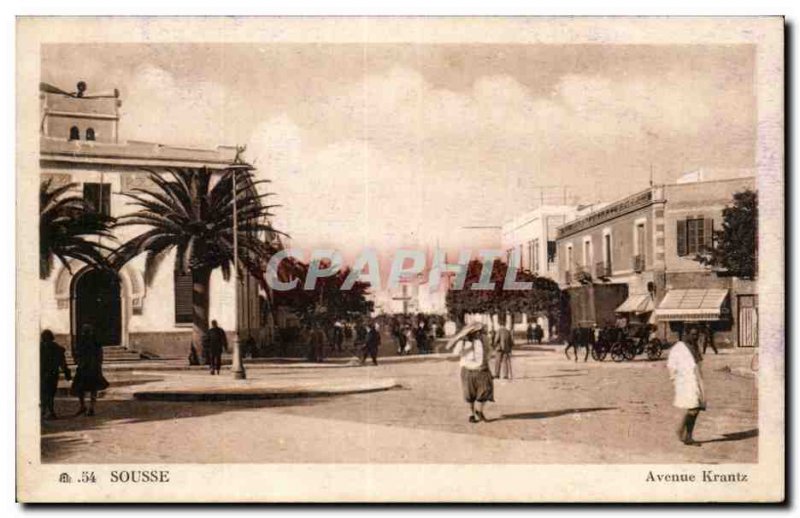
[[685, 371], [89, 374], [538, 333], [52, 361], [217, 342], [529, 334], [503, 344], [422, 338], [476, 378], [338, 336], [372, 343]]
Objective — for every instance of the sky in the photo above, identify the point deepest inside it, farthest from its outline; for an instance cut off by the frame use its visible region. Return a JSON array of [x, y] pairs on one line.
[[409, 145]]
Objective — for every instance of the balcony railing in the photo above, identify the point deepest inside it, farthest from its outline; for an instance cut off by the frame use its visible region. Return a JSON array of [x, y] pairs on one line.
[[602, 270], [638, 263]]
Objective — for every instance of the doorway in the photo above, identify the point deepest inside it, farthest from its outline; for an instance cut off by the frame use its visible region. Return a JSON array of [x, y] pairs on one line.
[[97, 302]]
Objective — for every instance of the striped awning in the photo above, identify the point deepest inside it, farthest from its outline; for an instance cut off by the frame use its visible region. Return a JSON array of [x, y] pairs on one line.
[[692, 305], [636, 304]]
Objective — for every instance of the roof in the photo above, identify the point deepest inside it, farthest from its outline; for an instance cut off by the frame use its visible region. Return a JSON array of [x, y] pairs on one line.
[[693, 304], [133, 154]]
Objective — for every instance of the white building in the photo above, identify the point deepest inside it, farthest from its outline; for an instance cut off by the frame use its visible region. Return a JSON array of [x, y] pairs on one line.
[[79, 144], [530, 240]]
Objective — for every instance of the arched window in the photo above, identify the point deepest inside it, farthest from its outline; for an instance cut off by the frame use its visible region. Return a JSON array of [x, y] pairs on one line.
[[90, 134], [74, 133]]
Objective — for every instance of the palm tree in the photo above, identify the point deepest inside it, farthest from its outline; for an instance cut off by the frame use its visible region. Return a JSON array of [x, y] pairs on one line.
[[185, 213], [67, 226]]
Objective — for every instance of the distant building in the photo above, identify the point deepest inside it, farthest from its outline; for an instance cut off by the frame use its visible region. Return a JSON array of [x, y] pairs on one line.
[[530, 239], [79, 144], [648, 242]]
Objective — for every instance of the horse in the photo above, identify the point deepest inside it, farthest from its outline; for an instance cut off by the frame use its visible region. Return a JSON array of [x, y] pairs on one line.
[[580, 337]]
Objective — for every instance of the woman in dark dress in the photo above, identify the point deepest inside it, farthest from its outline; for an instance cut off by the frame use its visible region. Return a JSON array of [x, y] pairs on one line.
[[89, 375]]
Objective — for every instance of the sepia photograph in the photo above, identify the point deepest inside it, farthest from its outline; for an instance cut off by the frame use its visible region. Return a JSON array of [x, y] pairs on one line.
[[393, 259]]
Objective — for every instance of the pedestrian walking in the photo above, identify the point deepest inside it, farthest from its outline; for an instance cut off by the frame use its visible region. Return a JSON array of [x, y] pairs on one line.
[[52, 360], [708, 340], [217, 342], [476, 378], [503, 344], [89, 373], [684, 364], [372, 343]]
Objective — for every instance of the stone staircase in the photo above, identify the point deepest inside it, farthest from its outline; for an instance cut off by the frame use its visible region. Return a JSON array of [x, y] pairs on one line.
[[113, 353]]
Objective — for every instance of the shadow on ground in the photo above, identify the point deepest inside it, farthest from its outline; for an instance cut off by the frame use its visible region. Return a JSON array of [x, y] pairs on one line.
[[59, 439], [553, 413], [735, 436]]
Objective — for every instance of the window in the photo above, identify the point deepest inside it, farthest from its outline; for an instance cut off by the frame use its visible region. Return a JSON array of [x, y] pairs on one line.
[[551, 252], [98, 196], [535, 255], [587, 253], [74, 133], [569, 257], [694, 235], [183, 298], [90, 134], [607, 250]]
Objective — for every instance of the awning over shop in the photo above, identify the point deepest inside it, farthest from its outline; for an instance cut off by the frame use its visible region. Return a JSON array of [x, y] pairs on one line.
[[691, 305], [636, 304]]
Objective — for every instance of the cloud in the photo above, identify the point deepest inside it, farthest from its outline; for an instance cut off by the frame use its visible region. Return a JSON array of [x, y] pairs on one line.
[[162, 108], [390, 160]]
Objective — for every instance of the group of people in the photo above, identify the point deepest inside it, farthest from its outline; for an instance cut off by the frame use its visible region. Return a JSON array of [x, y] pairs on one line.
[[88, 355], [366, 340], [474, 346], [534, 333], [406, 336]]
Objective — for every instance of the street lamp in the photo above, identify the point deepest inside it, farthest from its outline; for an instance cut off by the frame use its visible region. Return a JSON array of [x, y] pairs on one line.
[[237, 365]]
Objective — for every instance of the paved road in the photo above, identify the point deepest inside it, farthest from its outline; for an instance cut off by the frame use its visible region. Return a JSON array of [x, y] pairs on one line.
[[554, 411]]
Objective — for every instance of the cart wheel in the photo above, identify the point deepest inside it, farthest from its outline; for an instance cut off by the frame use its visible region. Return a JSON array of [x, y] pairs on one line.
[[654, 349], [618, 352], [603, 353], [629, 351]]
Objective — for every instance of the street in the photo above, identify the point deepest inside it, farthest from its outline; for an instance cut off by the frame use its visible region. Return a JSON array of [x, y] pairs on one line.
[[553, 411]]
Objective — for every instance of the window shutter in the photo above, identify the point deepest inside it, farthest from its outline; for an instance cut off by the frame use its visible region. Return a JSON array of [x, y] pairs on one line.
[[708, 233], [681, 239], [184, 311]]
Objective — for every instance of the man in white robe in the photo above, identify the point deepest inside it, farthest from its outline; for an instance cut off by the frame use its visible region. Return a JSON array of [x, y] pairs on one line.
[[684, 364]]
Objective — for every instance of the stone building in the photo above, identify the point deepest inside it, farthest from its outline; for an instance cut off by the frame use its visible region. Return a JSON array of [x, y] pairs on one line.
[[79, 144], [648, 242]]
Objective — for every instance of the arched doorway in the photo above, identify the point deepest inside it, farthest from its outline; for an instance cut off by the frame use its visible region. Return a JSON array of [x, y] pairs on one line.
[[97, 301]]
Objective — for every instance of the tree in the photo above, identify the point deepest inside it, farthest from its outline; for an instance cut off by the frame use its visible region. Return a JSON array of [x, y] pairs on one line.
[[542, 298], [184, 212], [68, 226], [327, 302], [735, 250]]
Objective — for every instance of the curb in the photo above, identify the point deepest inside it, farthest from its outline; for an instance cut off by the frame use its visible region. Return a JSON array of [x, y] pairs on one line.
[[256, 393]]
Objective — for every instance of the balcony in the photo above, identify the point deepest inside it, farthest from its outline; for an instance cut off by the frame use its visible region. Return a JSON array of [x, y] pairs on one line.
[[638, 263], [602, 270]]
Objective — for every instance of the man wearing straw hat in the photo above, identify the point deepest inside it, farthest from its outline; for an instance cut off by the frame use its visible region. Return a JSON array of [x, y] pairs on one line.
[[476, 378]]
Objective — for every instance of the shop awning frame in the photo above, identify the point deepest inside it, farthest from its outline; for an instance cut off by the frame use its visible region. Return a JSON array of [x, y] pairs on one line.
[[692, 305], [637, 304]]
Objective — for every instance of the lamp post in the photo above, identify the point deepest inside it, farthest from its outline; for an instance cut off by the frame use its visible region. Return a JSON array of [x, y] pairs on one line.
[[237, 365]]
